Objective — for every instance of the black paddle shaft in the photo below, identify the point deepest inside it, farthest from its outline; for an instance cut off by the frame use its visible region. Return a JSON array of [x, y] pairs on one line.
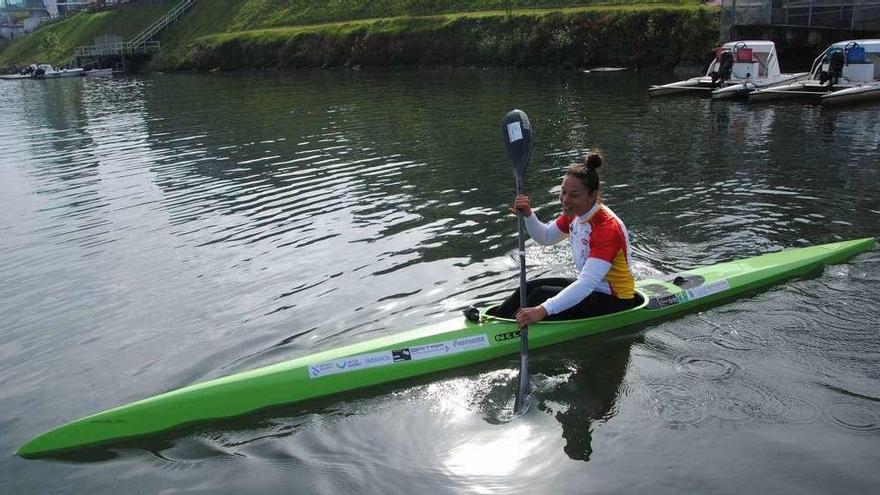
[[517, 131]]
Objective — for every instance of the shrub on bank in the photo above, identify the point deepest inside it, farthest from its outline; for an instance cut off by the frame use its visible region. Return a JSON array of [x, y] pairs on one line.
[[239, 15], [659, 37]]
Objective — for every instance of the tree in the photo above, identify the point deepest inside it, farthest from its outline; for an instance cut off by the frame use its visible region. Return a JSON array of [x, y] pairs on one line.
[[52, 46]]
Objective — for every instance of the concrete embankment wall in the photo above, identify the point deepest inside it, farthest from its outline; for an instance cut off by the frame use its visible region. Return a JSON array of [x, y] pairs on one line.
[[631, 37]]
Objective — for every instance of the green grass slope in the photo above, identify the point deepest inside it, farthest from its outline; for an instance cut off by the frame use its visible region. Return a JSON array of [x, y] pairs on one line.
[[634, 36], [258, 22], [81, 29], [210, 17], [207, 31]]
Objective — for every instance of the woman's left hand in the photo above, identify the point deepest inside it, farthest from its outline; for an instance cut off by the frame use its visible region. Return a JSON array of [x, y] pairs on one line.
[[527, 316]]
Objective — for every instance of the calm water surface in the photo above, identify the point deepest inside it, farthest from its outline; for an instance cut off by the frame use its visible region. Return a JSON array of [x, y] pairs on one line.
[[165, 230]]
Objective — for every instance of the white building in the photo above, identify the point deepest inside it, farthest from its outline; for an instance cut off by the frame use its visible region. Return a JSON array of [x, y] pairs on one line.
[[18, 17]]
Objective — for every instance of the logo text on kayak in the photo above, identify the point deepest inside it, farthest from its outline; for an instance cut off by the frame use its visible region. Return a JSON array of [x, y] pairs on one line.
[[501, 337]]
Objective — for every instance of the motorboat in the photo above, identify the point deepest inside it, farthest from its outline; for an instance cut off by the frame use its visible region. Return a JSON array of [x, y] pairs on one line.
[[44, 71], [10, 77], [52, 73], [22, 73], [861, 92], [99, 72], [739, 68], [57, 73], [847, 71]]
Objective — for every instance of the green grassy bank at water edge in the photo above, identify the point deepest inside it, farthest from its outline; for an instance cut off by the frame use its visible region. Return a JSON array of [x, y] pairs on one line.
[[233, 34], [649, 36]]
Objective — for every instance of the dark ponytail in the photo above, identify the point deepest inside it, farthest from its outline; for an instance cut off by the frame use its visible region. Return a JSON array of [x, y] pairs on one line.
[[587, 172]]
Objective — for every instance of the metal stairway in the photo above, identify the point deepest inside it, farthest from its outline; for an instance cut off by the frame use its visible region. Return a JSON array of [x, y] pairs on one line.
[[149, 33], [143, 43]]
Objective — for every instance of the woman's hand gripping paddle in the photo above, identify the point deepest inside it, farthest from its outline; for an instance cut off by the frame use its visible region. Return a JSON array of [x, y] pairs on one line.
[[517, 132]]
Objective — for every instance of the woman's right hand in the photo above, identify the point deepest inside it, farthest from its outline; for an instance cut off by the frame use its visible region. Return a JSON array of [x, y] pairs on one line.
[[523, 204]]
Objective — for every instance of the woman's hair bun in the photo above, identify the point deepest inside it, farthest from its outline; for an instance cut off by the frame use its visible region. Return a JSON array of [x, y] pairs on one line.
[[594, 160]]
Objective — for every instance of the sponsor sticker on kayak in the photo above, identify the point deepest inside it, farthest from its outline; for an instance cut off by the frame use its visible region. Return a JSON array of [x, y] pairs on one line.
[[385, 358], [695, 293], [708, 289]]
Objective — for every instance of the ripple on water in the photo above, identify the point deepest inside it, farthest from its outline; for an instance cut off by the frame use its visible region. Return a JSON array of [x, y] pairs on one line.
[[846, 314], [799, 410], [797, 323], [705, 367], [676, 404], [737, 339], [856, 416], [733, 336], [193, 451], [747, 403]]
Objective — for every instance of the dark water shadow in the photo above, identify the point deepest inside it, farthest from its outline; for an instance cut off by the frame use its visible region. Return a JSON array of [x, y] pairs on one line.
[[594, 370]]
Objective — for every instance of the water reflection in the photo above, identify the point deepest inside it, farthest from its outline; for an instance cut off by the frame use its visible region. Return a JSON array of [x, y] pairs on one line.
[[588, 390], [496, 454], [165, 230]]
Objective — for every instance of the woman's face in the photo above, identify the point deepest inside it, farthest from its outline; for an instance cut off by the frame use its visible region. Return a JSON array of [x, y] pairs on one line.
[[575, 198]]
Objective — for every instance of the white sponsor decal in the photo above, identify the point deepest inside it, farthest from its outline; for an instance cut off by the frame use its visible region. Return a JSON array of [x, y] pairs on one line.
[[449, 347], [514, 131], [350, 364], [708, 289], [386, 358]]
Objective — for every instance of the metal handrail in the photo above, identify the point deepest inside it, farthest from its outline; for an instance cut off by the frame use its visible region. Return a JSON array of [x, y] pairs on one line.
[[162, 23], [794, 4], [141, 43], [834, 14], [116, 49]]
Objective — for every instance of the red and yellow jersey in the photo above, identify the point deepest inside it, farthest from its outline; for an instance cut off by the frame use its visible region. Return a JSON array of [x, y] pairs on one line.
[[602, 235], [602, 254]]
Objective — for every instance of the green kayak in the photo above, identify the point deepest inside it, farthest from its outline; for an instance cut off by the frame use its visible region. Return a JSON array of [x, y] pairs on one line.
[[457, 342]]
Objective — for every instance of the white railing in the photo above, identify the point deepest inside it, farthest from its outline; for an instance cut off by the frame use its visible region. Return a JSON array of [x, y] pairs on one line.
[[116, 49], [840, 14], [142, 43], [145, 35], [850, 14]]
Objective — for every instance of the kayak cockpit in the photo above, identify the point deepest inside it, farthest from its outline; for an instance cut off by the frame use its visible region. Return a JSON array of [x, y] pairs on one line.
[[652, 294], [492, 312]]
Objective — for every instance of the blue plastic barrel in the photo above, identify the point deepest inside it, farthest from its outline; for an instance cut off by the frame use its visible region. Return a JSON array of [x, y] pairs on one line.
[[855, 55]]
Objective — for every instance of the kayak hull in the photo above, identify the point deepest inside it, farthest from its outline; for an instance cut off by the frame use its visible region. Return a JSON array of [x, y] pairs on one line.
[[860, 93], [450, 344]]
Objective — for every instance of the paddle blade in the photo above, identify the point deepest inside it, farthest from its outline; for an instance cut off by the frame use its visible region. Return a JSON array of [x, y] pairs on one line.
[[517, 132]]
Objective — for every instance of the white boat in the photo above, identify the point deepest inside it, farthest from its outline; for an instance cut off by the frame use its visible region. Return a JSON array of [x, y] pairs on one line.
[[739, 68], [57, 73], [10, 77], [862, 92], [25, 73], [603, 69], [46, 71], [845, 72], [99, 72]]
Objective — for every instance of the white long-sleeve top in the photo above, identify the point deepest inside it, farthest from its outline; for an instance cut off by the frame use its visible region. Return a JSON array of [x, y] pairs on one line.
[[601, 251]]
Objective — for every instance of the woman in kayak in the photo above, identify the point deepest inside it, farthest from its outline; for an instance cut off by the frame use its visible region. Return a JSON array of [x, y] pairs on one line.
[[600, 245]]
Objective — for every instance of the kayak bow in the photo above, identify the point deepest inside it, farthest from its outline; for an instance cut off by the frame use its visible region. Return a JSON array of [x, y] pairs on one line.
[[437, 347]]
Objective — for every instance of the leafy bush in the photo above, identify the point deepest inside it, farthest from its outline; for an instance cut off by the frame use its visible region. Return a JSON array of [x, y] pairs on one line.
[[628, 37]]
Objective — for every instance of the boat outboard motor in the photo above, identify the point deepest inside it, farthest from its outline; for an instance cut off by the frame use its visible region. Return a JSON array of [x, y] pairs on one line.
[[836, 61], [725, 68]]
